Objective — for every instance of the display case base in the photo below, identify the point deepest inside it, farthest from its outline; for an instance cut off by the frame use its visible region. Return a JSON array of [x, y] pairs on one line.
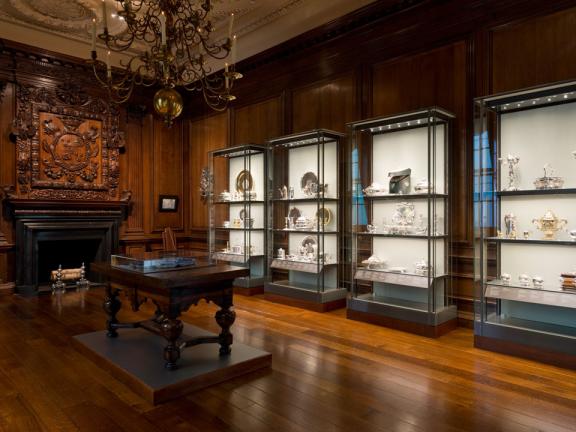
[[306, 299], [407, 326], [135, 358], [501, 346], [417, 322]]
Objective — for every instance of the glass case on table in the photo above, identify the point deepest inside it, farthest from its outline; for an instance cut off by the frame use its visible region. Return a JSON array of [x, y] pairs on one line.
[[238, 212], [400, 222], [304, 239], [525, 207]]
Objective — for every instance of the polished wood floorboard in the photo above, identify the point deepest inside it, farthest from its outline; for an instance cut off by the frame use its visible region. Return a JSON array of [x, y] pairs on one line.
[[328, 374]]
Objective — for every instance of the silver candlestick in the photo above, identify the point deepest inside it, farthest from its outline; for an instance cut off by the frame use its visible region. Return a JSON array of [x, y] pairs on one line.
[[58, 286], [82, 282], [512, 162]]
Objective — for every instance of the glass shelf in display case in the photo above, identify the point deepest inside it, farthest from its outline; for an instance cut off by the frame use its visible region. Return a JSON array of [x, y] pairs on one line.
[[303, 236], [238, 212], [400, 238], [525, 202]]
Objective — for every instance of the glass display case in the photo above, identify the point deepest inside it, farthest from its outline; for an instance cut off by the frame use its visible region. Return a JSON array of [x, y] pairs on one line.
[[303, 227], [400, 240], [238, 212], [525, 207]]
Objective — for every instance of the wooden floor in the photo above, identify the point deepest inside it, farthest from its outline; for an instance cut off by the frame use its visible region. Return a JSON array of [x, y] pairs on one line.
[[328, 374]]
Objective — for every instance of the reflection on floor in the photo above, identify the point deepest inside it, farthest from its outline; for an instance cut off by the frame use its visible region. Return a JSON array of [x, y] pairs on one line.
[[328, 374]]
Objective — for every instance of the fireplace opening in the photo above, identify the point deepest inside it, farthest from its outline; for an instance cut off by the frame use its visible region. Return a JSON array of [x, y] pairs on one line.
[[67, 232], [68, 254]]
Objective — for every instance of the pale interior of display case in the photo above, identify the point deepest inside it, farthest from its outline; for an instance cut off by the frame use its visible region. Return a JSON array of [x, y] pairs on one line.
[[255, 165], [408, 148], [538, 137], [395, 151], [309, 211], [304, 159], [383, 215], [404, 254]]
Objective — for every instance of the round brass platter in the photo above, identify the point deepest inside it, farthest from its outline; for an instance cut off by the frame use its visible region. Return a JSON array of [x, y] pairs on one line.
[[324, 216], [244, 181]]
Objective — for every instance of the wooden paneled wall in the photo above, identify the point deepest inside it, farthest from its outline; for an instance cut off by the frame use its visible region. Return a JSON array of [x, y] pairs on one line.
[[435, 53], [380, 60]]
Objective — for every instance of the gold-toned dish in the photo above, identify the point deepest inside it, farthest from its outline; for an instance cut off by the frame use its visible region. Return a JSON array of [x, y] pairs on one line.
[[324, 216], [244, 181]]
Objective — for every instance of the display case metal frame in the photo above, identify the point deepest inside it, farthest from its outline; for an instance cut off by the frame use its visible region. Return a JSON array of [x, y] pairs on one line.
[[315, 285], [218, 234], [436, 314], [494, 329]]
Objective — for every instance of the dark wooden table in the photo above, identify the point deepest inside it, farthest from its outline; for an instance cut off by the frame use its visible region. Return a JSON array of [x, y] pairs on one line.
[[172, 292]]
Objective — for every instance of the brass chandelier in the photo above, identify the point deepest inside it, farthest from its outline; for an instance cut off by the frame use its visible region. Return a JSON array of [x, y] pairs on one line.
[[177, 36]]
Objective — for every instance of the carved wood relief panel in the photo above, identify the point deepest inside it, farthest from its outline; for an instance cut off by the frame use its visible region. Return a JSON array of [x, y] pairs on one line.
[[67, 144]]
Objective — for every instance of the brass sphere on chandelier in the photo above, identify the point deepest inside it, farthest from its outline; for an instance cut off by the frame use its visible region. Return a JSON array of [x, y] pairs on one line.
[[168, 45], [168, 104]]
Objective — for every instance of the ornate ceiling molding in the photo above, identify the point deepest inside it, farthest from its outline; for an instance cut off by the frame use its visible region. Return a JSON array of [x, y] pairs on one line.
[[65, 26]]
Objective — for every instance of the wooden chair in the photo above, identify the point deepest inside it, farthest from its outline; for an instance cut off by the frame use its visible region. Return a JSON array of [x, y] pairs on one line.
[[169, 240]]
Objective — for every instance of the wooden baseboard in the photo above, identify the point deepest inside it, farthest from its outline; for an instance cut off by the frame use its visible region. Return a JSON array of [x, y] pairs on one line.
[[249, 291], [407, 326], [304, 304], [553, 358], [7, 288]]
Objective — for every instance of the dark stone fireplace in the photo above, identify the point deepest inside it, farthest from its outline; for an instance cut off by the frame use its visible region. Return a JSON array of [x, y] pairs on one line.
[[67, 233]]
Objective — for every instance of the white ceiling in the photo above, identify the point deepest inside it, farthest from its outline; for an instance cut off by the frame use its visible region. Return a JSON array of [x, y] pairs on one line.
[[64, 26]]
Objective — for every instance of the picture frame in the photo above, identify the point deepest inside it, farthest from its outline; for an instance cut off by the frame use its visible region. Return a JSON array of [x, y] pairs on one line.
[[168, 203]]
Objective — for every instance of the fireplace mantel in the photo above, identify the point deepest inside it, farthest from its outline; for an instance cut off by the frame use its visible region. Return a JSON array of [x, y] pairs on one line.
[[30, 207], [38, 221]]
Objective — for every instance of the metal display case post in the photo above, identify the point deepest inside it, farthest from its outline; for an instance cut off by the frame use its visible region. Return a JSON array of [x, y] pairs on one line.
[[304, 235], [238, 210], [525, 251], [400, 266]]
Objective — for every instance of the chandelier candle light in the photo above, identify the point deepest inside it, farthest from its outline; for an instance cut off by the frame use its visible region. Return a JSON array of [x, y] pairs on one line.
[[176, 34]]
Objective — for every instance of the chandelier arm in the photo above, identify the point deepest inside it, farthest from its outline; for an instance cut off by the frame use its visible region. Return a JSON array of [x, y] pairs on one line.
[[177, 33]]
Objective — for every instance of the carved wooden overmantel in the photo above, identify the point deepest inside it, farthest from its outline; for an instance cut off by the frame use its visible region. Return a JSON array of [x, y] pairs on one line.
[[68, 144]]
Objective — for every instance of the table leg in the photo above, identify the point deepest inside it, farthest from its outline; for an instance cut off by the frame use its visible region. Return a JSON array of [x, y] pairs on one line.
[[225, 317], [111, 306], [171, 330]]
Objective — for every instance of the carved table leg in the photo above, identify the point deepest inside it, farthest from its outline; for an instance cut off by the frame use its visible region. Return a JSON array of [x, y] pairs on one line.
[[225, 317], [171, 330], [111, 306]]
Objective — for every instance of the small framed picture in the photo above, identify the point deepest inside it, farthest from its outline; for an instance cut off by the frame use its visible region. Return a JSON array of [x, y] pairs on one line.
[[168, 203]]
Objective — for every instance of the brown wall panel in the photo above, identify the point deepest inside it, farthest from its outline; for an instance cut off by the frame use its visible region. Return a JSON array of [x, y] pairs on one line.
[[131, 166], [434, 78], [206, 134], [258, 122], [534, 52], [7, 177], [167, 170], [329, 104]]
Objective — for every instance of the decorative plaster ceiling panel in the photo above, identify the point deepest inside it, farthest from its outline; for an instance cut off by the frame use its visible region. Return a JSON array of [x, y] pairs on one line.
[[65, 25]]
